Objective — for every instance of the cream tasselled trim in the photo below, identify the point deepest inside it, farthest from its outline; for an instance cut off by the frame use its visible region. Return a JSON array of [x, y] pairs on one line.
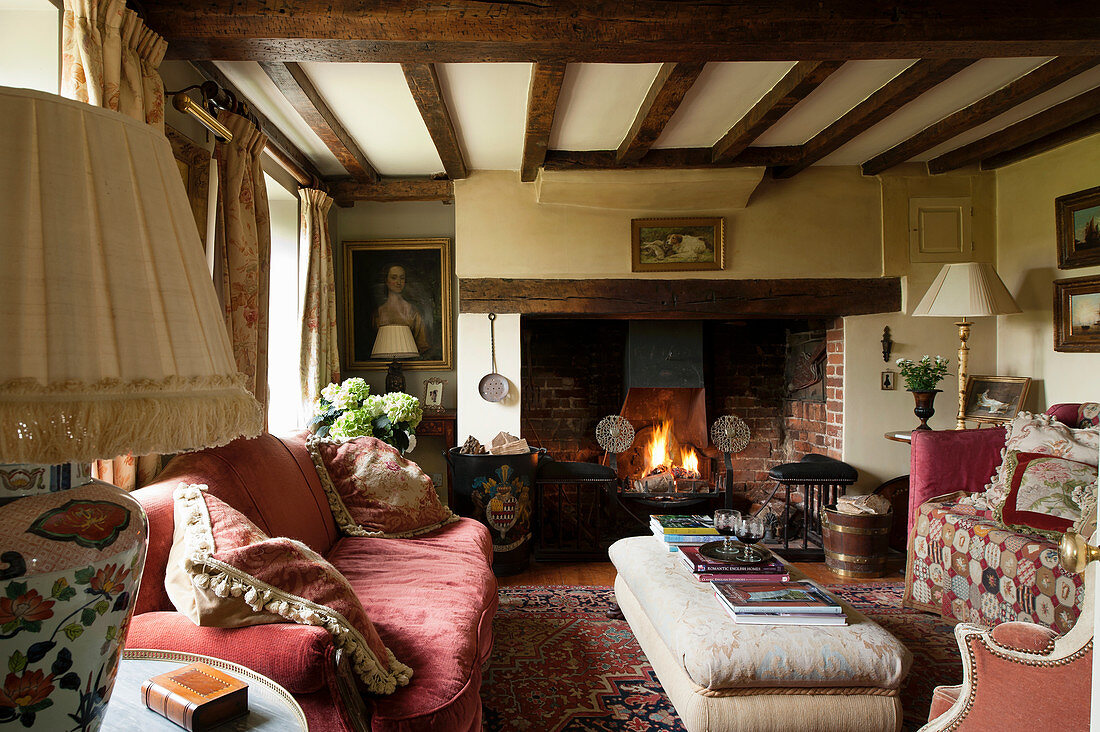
[[80, 422], [224, 580], [340, 511]]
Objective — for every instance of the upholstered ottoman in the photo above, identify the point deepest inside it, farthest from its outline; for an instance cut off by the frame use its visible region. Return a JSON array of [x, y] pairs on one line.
[[754, 678]]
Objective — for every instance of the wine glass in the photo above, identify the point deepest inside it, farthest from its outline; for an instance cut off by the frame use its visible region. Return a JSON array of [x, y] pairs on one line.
[[726, 521], [749, 530]]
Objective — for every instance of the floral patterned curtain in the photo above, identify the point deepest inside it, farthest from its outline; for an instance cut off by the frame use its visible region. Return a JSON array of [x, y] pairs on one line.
[[320, 360], [242, 249], [110, 59]]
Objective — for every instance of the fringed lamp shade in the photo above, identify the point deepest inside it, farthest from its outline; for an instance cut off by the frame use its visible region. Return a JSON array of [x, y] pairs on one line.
[[394, 341], [112, 337], [969, 289]]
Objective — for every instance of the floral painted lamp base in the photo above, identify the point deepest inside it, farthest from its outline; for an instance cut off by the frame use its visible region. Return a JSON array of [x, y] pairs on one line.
[[70, 564]]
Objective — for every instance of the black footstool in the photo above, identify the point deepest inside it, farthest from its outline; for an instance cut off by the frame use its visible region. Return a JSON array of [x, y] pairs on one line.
[[822, 479]]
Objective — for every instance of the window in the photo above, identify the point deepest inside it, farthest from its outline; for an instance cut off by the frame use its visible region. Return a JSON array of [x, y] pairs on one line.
[[30, 45], [284, 411]]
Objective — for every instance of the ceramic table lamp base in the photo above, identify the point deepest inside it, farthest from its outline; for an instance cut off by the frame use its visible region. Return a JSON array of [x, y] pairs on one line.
[[70, 564]]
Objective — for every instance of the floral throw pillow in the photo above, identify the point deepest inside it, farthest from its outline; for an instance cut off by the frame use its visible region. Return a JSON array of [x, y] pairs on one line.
[[1088, 414], [225, 572], [373, 491], [1043, 493]]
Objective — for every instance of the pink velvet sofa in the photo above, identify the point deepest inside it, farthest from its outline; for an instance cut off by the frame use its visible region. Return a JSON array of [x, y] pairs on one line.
[[432, 598], [962, 564]]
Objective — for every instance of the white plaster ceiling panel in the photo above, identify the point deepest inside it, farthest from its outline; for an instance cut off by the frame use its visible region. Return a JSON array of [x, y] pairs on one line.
[[723, 94], [27, 5], [375, 106], [488, 106], [598, 103], [961, 90], [1067, 90], [255, 85], [836, 96]]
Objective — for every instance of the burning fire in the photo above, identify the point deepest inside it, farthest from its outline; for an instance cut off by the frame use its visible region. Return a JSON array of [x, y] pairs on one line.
[[659, 454]]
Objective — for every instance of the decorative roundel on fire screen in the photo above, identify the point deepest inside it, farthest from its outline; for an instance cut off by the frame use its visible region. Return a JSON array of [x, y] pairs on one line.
[[729, 433], [614, 433]]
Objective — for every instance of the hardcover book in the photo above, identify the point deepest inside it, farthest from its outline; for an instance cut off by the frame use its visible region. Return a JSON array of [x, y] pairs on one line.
[[683, 524], [729, 577], [764, 597], [197, 697], [696, 539], [696, 562], [784, 618]]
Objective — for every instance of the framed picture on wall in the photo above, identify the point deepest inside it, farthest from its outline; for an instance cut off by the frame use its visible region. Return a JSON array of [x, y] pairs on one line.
[[994, 398], [677, 245], [398, 282], [1078, 221], [1077, 315], [433, 394]]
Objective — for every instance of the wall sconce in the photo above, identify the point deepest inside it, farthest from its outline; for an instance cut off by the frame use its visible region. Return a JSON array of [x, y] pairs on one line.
[[887, 344]]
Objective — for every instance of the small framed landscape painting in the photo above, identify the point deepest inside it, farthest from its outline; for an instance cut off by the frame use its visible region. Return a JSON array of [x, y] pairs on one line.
[[994, 398], [1078, 219], [1077, 315], [677, 245]]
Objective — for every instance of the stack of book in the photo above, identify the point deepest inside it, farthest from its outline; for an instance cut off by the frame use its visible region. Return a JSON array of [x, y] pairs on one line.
[[711, 570], [674, 531], [779, 603]]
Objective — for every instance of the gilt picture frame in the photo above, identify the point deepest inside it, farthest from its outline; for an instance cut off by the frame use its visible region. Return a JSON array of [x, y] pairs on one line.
[[1077, 315], [677, 244], [433, 394], [398, 282], [994, 399], [1077, 217]]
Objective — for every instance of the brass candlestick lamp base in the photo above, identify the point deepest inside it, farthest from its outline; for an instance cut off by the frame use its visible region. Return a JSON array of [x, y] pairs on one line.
[[964, 355]]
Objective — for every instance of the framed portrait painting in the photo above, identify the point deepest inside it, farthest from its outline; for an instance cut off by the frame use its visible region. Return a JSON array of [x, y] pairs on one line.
[[1077, 315], [677, 245], [994, 398], [1078, 222], [398, 282]]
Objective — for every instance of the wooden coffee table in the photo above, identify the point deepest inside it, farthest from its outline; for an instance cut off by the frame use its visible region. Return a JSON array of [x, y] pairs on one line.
[[271, 708]]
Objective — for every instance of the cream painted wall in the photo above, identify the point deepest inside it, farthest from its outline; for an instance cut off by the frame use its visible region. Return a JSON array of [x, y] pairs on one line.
[[29, 48], [1028, 263], [478, 417]]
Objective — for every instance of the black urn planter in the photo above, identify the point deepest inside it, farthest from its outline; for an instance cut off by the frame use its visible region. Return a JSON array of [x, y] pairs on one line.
[[924, 410]]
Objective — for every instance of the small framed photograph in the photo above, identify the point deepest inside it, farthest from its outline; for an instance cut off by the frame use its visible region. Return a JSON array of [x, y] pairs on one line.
[[433, 394], [1077, 315], [1078, 220], [677, 245], [889, 381], [994, 398]]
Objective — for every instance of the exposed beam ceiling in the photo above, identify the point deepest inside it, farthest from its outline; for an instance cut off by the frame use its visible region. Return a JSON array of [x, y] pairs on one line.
[[662, 100], [689, 157], [346, 192], [644, 31], [296, 86], [1063, 136], [795, 86], [1048, 122], [1042, 79], [542, 104], [424, 85], [902, 89]]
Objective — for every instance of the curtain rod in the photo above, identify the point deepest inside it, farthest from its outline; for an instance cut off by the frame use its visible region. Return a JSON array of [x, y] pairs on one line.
[[214, 97]]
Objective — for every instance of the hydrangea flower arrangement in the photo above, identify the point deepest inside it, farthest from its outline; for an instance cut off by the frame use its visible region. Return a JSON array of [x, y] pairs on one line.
[[923, 375], [348, 410]]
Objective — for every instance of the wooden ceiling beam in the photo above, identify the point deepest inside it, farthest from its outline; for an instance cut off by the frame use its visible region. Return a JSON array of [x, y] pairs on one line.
[[796, 85], [279, 146], [665, 94], [1042, 79], [542, 105], [1048, 122], [346, 192], [621, 31], [1088, 127], [299, 91], [668, 158], [424, 84], [892, 96]]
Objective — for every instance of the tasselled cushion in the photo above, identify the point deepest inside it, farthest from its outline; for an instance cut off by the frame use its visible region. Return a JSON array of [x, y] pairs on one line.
[[1044, 493]]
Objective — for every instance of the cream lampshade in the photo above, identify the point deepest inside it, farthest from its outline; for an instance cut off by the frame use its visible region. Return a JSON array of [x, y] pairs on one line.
[[966, 290], [112, 342], [394, 342]]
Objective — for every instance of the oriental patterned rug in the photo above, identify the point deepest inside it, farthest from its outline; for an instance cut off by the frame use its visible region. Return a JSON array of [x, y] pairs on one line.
[[560, 664]]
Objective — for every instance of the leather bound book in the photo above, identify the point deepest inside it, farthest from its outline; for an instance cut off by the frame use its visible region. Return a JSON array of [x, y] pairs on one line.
[[196, 697]]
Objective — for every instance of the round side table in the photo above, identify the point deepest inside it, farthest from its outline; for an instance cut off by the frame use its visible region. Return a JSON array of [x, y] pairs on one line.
[[271, 708]]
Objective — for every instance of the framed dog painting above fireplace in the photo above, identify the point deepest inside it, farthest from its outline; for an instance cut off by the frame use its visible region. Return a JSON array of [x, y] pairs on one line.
[[677, 245]]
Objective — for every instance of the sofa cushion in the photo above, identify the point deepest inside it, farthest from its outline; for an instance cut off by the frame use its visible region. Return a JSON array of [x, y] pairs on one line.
[[224, 572], [432, 598], [373, 491], [1040, 496]]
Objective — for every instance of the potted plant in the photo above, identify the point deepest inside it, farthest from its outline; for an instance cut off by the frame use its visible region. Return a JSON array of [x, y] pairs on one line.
[[348, 410], [921, 378]]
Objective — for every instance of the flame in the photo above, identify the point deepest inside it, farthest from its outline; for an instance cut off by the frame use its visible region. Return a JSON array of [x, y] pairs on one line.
[[689, 460], [657, 449]]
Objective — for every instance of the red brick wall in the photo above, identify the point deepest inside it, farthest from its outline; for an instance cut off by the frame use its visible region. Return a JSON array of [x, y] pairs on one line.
[[813, 426]]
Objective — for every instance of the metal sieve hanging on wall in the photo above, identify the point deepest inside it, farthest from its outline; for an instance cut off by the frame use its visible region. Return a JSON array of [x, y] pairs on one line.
[[493, 386]]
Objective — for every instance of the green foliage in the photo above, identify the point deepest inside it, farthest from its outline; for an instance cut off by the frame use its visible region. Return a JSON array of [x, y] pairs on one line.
[[348, 410], [923, 375], [17, 662]]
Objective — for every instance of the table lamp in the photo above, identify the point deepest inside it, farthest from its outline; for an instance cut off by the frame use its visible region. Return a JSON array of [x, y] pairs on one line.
[[112, 342], [966, 290], [394, 342]]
